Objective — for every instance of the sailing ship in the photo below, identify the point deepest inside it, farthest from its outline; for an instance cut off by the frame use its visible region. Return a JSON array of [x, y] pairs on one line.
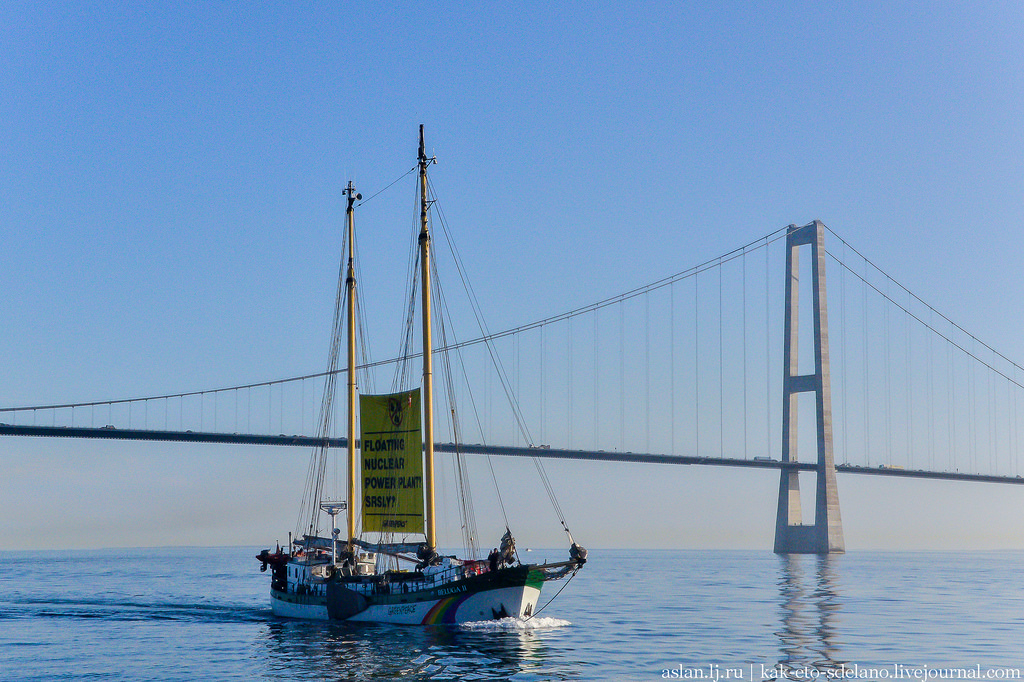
[[330, 577]]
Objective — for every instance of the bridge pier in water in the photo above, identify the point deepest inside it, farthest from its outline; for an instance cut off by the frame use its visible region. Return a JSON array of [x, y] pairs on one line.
[[825, 535]]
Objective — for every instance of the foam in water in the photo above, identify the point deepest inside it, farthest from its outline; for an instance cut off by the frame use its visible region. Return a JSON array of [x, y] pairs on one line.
[[514, 624]]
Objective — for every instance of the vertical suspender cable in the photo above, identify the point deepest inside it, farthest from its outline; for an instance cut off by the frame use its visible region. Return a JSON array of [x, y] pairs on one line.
[[1015, 451], [721, 368], [910, 393], [867, 399], [767, 352], [745, 455], [696, 364], [951, 420], [647, 371], [973, 406], [597, 380], [568, 352], [888, 383], [622, 376], [672, 365], [931, 395], [842, 360], [543, 392], [993, 432]]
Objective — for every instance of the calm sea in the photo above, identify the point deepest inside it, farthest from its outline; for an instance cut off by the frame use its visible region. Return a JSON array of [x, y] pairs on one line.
[[183, 614]]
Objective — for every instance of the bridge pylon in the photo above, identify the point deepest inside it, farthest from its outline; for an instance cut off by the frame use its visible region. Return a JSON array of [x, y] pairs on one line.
[[825, 535]]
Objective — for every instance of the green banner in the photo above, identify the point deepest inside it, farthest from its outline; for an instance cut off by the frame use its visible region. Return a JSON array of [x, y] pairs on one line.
[[392, 462]]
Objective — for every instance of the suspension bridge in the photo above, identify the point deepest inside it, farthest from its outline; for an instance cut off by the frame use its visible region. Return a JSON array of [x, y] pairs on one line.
[[752, 359]]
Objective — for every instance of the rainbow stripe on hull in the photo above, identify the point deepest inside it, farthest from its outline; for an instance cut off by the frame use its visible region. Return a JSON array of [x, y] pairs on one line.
[[444, 610]]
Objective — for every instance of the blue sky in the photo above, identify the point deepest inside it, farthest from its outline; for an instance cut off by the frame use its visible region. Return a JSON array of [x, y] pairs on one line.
[[170, 201]]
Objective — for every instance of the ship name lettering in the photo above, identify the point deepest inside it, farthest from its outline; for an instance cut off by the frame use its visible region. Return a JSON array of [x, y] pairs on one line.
[[444, 591]]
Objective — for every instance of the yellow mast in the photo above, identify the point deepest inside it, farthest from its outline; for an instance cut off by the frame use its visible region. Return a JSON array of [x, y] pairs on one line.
[[428, 387], [350, 283]]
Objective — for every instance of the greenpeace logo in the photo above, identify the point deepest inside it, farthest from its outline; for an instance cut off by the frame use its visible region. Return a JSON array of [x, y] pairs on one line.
[[404, 608]]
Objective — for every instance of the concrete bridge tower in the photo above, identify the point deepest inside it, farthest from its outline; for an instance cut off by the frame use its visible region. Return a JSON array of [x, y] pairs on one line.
[[825, 535]]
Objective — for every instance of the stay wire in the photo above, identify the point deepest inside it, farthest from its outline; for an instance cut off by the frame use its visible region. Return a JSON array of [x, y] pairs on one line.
[[481, 322], [555, 595], [469, 528], [496, 360], [389, 186], [442, 302]]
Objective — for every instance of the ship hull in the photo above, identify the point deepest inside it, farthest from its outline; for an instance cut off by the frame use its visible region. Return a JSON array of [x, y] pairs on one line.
[[510, 592]]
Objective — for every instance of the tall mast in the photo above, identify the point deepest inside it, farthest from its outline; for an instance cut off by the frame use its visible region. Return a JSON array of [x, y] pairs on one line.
[[350, 284], [428, 349]]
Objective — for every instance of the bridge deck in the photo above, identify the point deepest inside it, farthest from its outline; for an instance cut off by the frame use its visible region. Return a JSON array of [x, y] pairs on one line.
[[109, 433]]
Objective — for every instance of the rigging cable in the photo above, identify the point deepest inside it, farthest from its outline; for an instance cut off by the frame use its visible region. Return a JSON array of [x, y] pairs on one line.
[[554, 596], [496, 360], [392, 184], [318, 461], [465, 495], [445, 353], [479, 423], [487, 337], [402, 370]]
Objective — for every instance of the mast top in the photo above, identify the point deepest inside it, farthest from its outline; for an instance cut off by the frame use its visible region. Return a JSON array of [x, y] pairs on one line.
[[352, 195], [423, 160]]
